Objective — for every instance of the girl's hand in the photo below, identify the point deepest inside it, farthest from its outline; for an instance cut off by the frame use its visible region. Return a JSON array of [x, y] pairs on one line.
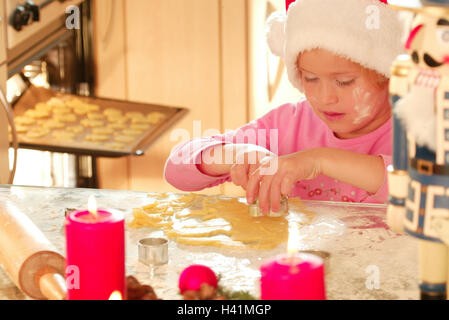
[[247, 160], [276, 176]]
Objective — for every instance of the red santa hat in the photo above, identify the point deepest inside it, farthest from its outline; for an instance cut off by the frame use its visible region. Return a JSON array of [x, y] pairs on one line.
[[368, 32]]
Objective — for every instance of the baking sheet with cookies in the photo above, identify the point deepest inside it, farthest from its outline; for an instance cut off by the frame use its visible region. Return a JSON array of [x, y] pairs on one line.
[[52, 121]]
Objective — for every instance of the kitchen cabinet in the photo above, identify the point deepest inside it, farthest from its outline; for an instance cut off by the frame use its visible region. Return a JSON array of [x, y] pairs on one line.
[[205, 55]]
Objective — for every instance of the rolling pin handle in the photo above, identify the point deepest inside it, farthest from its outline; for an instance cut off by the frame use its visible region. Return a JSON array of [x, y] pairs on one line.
[[53, 286]]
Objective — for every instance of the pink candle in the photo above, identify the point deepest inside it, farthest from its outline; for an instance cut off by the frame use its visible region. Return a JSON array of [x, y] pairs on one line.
[[95, 245], [299, 277]]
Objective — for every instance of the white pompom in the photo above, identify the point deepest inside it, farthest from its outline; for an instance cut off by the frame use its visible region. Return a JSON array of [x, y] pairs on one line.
[[275, 32]]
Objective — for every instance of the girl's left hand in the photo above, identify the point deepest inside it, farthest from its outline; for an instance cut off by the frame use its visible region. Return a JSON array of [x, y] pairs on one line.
[[276, 177]]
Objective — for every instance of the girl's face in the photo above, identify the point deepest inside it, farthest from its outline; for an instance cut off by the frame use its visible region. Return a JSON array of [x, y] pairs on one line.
[[342, 95]]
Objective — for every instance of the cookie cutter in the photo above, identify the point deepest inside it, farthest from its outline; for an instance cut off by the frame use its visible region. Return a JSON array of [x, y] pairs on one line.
[[254, 209], [153, 251]]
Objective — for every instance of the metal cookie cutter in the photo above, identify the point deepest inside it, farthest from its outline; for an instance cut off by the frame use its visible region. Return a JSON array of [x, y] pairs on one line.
[[153, 251], [254, 209]]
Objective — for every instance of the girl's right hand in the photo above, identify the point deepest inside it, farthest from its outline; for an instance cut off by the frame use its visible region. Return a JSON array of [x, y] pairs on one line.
[[247, 159]]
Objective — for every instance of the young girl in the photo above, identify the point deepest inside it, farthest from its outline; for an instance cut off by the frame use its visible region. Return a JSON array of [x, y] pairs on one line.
[[334, 145]]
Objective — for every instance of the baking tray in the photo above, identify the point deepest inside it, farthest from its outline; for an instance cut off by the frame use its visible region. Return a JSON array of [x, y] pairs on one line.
[[79, 145]]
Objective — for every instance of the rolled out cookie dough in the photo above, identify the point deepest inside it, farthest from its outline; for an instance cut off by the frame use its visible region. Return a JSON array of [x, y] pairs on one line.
[[211, 221]]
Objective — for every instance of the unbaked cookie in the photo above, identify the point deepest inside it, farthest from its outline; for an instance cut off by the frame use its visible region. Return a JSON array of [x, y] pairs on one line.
[[115, 145], [117, 126], [37, 114], [24, 121], [117, 119], [125, 139], [129, 132], [155, 117], [139, 120], [62, 135], [37, 133], [53, 124], [21, 129], [103, 131], [73, 103], [112, 112], [134, 114], [140, 126], [93, 107], [97, 137], [70, 117], [92, 123], [42, 107], [95, 116], [75, 129], [56, 103], [81, 110], [57, 111]]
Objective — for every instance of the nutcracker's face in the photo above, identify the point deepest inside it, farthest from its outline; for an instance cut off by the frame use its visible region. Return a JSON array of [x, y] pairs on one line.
[[428, 43]]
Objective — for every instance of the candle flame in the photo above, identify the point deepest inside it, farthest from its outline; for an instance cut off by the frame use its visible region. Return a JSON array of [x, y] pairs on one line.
[[92, 205], [293, 240], [116, 295]]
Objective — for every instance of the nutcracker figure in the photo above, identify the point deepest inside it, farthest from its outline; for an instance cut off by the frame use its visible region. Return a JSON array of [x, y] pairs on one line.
[[419, 177]]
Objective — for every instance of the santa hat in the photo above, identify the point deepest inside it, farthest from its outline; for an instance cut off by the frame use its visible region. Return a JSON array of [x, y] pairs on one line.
[[368, 32]]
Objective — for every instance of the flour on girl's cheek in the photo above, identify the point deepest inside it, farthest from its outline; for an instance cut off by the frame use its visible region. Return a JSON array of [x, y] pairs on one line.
[[362, 104]]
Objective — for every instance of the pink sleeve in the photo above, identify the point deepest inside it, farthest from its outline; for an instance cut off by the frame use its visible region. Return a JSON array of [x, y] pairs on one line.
[[181, 168], [381, 196]]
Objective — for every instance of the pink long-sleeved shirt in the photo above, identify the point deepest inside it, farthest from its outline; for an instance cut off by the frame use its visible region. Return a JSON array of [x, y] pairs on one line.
[[285, 130]]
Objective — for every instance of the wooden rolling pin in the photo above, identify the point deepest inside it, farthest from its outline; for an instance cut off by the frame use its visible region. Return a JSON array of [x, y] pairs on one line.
[[28, 257]]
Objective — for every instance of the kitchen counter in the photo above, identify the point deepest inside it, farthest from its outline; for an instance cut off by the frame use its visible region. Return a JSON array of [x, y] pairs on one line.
[[367, 260]]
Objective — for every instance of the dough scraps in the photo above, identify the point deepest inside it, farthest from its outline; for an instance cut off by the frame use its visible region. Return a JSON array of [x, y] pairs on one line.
[[216, 221]]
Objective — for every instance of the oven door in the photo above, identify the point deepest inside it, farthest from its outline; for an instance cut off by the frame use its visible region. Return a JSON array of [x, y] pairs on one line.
[[23, 44]]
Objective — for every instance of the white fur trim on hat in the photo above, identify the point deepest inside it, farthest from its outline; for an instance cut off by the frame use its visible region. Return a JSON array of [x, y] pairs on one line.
[[276, 33], [342, 27]]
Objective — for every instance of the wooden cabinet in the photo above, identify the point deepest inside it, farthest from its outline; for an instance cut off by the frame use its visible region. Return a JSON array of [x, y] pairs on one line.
[[2, 33], [198, 54]]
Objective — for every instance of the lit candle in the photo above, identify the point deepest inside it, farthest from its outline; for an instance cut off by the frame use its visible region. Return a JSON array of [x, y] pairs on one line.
[[95, 244], [295, 276]]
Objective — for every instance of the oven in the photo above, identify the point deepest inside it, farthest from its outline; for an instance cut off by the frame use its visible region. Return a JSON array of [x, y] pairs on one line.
[[45, 43], [47, 52]]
